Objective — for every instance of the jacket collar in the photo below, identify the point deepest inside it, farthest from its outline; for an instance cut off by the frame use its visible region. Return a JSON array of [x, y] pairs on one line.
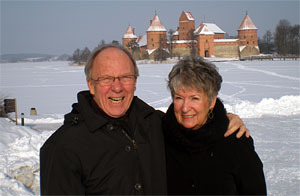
[[196, 140], [94, 120]]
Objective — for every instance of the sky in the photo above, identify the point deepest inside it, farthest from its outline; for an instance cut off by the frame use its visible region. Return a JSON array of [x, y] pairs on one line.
[[60, 27]]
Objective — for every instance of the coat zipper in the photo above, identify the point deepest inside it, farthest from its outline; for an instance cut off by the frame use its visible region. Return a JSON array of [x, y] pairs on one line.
[[135, 148], [132, 140]]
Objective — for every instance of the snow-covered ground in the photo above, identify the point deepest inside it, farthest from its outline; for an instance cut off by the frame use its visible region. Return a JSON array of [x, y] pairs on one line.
[[264, 93]]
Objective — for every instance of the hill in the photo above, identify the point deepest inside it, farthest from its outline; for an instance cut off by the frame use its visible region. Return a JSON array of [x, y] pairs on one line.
[[32, 57]]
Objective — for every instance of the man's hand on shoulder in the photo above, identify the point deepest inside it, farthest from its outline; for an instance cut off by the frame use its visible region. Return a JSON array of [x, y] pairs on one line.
[[236, 123]]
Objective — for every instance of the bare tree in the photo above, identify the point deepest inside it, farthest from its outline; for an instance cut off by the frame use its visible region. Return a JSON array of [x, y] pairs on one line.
[[115, 42], [84, 55], [170, 36], [145, 54], [160, 53], [266, 44], [102, 42], [133, 49], [193, 43], [281, 37], [294, 40], [287, 38], [268, 39], [76, 56]]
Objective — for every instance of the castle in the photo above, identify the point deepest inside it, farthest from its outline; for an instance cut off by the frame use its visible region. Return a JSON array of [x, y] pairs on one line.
[[208, 40]]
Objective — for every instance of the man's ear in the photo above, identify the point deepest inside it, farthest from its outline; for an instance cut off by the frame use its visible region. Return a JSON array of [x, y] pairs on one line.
[[91, 86], [135, 85]]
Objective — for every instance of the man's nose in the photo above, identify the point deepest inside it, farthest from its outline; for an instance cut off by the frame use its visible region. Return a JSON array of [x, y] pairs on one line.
[[116, 85]]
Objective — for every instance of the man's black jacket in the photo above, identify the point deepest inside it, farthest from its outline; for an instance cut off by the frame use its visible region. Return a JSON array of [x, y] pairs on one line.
[[92, 154]]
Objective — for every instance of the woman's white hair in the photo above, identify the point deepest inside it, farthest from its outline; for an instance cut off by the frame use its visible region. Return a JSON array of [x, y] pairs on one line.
[[195, 72]]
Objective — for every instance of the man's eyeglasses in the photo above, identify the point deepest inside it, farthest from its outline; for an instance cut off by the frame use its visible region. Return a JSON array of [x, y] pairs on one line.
[[108, 80]]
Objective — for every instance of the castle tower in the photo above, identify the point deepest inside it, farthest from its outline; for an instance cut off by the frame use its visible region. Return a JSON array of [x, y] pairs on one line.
[[205, 39], [247, 32], [186, 26], [128, 37], [156, 34]]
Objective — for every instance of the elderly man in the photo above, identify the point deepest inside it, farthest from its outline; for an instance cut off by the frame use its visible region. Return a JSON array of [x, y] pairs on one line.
[[112, 142]]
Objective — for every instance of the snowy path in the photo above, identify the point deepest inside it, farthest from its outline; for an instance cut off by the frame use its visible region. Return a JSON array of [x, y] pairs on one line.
[[243, 67]]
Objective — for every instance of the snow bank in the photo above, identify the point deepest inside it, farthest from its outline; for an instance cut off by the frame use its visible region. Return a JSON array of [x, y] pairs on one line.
[[286, 105], [44, 119], [9, 132], [19, 161]]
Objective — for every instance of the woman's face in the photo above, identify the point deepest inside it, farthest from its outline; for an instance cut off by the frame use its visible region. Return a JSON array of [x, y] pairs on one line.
[[191, 107]]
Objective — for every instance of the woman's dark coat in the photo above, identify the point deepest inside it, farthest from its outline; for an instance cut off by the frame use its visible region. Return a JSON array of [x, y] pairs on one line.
[[92, 154], [203, 162]]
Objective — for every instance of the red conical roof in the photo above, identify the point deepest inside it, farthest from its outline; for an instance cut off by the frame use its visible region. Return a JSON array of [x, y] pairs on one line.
[[247, 24], [156, 25], [129, 33]]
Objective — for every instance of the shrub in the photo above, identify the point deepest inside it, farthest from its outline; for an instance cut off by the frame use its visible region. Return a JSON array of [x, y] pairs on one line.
[[2, 111]]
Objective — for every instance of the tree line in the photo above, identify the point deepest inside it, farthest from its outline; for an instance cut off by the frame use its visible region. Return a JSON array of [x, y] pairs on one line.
[[80, 56], [284, 41]]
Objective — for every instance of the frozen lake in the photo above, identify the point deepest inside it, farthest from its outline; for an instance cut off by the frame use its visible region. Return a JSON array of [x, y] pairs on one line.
[[264, 93]]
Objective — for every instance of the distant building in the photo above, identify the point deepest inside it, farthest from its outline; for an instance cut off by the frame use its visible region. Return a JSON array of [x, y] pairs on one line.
[[207, 40], [128, 37], [247, 34]]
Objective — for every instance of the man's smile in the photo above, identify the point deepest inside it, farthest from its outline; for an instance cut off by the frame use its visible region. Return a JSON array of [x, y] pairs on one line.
[[116, 99]]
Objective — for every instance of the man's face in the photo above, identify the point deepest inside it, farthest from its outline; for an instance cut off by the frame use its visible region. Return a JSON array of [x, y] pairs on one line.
[[114, 99]]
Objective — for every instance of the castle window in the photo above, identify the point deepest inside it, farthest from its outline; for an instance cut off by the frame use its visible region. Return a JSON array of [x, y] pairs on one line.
[[247, 42], [245, 36], [253, 42], [206, 41], [153, 45]]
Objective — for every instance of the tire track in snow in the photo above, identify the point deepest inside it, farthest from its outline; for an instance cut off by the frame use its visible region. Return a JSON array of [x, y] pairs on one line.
[[259, 84], [46, 85], [161, 101], [243, 67]]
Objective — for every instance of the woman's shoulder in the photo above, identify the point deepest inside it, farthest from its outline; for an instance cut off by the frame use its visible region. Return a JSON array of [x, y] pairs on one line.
[[241, 150], [242, 141], [238, 145]]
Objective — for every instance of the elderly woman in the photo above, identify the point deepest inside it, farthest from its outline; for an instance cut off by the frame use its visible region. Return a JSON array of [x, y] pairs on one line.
[[200, 160]]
